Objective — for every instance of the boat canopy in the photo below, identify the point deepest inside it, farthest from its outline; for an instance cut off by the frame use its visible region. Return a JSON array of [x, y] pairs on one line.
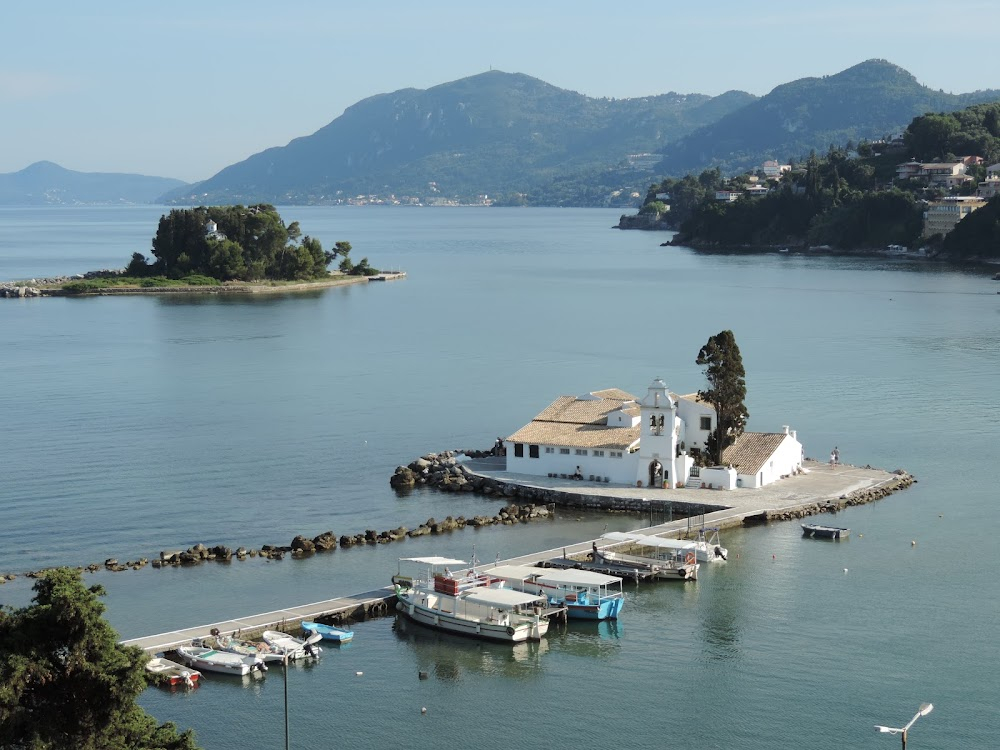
[[434, 561], [520, 572], [574, 577], [678, 545], [500, 597]]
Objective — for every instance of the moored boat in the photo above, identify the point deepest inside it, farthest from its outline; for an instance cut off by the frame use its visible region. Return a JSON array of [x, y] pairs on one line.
[[819, 531], [290, 646], [222, 662], [329, 632], [234, 645], [172, 673], [665, 559], [469, 603], [586, 595]]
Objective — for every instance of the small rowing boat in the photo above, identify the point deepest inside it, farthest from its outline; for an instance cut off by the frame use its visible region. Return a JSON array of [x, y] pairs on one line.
[[171, 673], [329, 632], [819, 531]]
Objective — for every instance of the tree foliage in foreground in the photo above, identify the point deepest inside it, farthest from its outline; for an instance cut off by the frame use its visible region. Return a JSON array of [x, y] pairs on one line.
[[977, 235], [66, 683], [727, 389]]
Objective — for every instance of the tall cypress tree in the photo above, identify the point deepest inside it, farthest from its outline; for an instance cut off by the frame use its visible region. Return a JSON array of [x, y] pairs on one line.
[[726, 392]]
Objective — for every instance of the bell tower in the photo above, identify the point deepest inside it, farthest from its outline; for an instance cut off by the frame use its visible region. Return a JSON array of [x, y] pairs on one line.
[[658, 439]]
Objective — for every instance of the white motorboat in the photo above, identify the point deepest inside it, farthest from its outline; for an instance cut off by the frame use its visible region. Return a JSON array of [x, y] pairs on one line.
[[467, 603], [666, 559], [284, 645], [708, 548], [223, 662], [236, 645], [171, 673]]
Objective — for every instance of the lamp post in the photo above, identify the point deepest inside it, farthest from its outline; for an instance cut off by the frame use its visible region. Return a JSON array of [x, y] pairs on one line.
[[308, 642], [925, 708]]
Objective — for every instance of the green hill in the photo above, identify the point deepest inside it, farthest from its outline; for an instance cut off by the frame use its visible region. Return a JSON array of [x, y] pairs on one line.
[[867, 101], [495, 133]]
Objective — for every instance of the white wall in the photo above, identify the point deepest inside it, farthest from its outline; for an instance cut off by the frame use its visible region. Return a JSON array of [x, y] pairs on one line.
[[618, 470], [719, 476]]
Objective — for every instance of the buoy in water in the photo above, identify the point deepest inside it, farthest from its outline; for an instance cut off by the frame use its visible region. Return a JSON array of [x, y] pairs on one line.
[[913, 543], [423, 709], [845, 570], [359, 673]]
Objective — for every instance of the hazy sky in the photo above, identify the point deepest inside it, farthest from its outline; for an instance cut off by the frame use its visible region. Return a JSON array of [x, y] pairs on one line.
[[183, 89]]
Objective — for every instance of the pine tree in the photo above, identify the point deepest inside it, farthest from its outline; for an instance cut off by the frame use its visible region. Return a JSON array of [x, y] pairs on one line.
[[65, 681]]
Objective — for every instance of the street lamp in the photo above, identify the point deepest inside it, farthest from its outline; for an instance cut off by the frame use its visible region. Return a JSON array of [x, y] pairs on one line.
[[925, 708], [308, 645]]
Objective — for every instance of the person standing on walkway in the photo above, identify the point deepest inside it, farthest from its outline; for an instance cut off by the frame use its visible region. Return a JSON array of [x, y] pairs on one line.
[[836, 456]]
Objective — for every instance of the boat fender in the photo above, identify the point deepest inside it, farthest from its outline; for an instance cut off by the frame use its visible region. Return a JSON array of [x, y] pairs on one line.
[[681, 572], [510, 630]]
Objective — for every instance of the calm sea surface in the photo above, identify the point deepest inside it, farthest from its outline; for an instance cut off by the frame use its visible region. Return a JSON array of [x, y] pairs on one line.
[[136, 424]]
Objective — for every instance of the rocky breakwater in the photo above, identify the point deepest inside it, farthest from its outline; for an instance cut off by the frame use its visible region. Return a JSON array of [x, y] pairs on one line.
[[900, 481], [19, 290], [444, 472]]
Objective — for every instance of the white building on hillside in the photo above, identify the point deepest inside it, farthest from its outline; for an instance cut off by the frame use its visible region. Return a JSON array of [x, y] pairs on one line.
[[611, 436]]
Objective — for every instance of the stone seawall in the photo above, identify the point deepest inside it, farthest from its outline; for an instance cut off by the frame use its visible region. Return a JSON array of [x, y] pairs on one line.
[[443, 472]]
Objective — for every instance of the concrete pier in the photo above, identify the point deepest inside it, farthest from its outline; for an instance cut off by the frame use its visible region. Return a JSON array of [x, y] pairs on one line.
[[823, 488]]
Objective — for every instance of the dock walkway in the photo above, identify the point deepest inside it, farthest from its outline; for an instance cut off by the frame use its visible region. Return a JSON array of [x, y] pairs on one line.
[[822, 484], [369, 602]]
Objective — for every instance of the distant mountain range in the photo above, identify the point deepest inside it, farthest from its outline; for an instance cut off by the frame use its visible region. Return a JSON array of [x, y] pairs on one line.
[[868, 101], [519, 140], [46, 184], [490, 134]]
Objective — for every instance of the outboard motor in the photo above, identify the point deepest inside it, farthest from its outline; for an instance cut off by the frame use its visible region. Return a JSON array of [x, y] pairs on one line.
[[259, 665]]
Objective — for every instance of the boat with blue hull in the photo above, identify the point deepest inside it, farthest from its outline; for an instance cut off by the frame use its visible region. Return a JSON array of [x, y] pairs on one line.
[[585, 594], [329, 632]]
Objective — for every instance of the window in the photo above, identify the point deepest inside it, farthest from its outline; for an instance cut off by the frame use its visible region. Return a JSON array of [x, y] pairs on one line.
[[598, 453], [549, 449], [532, 451], [706, 424], [564, 451], [581, 452], [616, 454], [519, 450]]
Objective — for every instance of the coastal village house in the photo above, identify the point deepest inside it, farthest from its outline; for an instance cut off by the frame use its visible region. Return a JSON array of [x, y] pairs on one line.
[[991, 187], [611, 436], [940, 217]]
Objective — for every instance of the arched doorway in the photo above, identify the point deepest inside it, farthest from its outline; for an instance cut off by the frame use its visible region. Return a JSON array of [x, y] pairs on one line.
[[656, 474]]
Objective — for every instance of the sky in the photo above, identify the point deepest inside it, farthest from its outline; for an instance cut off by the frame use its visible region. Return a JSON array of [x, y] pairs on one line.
[[184, 89]]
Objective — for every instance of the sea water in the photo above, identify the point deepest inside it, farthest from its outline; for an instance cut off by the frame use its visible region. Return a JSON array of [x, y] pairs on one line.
[[137, 424]]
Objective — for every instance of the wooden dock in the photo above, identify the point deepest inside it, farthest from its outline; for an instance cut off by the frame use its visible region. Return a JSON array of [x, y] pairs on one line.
[[370, 604]]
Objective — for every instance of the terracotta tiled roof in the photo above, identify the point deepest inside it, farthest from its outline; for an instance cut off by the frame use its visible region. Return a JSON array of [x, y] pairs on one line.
[[576, 435], [574, 410], [752, 450], [614, 393], [582, 422]]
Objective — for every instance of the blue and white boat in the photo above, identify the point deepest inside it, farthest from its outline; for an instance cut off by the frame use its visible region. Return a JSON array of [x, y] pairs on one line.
[[585, 594], [329, 632]]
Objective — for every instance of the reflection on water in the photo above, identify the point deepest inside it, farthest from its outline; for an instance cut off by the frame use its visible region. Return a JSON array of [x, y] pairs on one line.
[[449, 657]]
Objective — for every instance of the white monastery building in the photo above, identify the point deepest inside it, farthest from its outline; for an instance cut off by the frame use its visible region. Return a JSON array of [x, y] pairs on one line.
[[611, 436]]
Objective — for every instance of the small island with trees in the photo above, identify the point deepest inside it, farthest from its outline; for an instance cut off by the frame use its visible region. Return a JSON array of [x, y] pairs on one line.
[[226, 248]]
